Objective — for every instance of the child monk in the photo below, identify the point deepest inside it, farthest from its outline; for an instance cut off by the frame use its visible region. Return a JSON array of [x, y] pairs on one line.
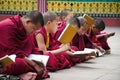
[[44, 41], [81, 40], [97, 28], [61, 56], [65, 15], [15, 38], [96, 43]]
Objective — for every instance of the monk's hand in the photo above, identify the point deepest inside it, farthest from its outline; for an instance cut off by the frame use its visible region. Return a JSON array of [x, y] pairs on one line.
[[65, 47], [105, 37], [30, 62], [39, 67], [111, 34], [101, 50]]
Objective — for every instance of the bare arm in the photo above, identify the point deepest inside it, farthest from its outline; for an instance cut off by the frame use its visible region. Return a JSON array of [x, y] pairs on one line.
[[98, 47], [42, 46]]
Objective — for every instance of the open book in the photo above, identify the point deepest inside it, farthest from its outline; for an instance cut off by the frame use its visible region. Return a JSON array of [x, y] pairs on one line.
[[67, 34], [41, 58], [92, 52], [89, 19], [7, 60]]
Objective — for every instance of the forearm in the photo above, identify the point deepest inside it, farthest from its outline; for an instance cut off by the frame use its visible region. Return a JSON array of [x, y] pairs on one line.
[[30, 62], [57, 51]]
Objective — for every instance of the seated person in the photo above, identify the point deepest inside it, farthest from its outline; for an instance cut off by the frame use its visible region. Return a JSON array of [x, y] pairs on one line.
[[65, 15], [102, 36], [44, 41], [15, 37], [81, 40], [61, 56]]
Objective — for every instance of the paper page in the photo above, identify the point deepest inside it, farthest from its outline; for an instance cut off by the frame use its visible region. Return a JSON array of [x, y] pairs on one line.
[[100, 53], [85, 51], [12, 57], [41, 58]]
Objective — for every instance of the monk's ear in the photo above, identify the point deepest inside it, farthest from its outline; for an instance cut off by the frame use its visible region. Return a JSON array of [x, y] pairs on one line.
[[48, 22], [63, 17], [28, 20]]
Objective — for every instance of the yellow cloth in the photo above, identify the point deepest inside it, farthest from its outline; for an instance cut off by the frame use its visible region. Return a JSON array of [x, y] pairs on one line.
[[47, 40]]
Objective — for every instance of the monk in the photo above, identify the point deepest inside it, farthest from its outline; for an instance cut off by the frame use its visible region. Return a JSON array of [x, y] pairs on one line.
[[61, 56], [44, 41], [97, 28], [96, 43], [65, 15], [81, 40], [15, 39]]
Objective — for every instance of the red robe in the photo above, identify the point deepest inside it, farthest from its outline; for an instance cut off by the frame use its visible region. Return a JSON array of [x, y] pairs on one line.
[[78, 41], [55, 62], [20, 67], [103, 42], [14, 40], [61, 27], [87, 41], [94, 39]]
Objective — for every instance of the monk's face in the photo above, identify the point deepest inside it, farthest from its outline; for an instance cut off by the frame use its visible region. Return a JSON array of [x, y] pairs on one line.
[[31, 27], [83, 29], [53, 26], [95, 30], [70, 15]]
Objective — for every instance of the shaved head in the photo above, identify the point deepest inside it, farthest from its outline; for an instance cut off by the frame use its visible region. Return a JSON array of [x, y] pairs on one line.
[[74, 21], [65, 12], [49, 16]]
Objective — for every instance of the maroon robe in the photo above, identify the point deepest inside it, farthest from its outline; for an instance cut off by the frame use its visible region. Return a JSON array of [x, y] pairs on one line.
[[20, 67], [78, 41], [87, 41], [103, 42], [94, 39], [55, 62], [61, 27], [14, 40]]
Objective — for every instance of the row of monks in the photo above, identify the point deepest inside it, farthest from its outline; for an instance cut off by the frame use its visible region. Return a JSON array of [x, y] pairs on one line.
[[36, 33]]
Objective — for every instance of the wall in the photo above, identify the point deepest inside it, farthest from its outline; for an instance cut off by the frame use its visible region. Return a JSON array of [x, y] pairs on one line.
[[108, 10]]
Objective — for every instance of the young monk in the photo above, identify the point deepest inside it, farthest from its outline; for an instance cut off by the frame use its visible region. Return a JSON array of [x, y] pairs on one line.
[[65, 15], [81, 40], [94, 39], [61, 56], [15, 39], [97, 28], [44, 41]]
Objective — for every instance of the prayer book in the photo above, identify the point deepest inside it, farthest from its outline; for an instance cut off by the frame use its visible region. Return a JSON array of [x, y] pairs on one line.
[[92, 52], [89, 19], [7, 60], [67, 34], [41, 58]]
